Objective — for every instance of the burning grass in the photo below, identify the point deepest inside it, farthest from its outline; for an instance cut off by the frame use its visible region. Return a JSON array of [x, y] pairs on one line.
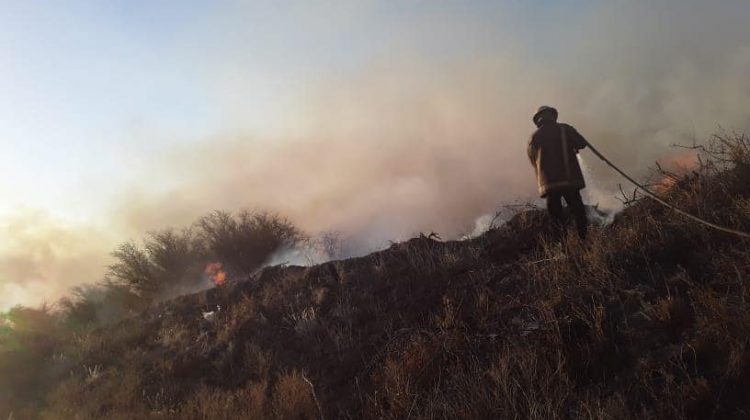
[[648, 319]]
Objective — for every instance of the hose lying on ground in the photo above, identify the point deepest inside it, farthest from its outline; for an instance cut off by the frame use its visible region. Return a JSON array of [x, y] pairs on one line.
[[664, 203]]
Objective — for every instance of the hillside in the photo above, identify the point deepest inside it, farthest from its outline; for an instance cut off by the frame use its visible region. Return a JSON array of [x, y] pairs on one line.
[[648, 319]]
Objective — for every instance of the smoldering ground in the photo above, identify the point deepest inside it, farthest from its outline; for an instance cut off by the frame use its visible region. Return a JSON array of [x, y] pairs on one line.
[[416, 137]]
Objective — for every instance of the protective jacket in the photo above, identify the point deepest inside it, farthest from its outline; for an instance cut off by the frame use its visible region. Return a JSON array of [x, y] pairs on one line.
[[552, 150]]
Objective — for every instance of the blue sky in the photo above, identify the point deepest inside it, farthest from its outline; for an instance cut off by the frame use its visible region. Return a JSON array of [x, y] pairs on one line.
[[77, 80], [83, 84]]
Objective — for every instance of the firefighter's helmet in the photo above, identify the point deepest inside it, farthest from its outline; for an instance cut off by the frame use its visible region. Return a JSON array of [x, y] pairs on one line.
[[543, 110]]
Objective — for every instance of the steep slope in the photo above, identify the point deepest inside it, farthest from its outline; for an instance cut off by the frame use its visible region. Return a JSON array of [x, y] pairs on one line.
[[648, 319]]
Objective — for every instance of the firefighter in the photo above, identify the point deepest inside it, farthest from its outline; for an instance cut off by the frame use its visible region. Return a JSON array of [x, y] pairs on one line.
[[552, 151]]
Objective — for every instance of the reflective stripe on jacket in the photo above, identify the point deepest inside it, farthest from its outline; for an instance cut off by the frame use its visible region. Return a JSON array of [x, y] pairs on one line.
[[552, 151]]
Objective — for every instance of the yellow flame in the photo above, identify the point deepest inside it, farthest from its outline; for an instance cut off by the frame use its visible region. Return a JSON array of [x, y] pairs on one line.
[[215, 273]]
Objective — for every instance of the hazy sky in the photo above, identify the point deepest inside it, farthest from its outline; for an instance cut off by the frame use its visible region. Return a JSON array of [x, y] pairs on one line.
[[377, 118]]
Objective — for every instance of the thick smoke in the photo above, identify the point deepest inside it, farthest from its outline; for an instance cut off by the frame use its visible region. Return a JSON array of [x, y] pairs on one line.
[[41, 258], [429, 139], [415, 142]]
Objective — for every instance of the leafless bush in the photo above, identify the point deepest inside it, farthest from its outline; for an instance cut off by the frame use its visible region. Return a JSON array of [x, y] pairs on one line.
[[246, 240], [168, 259]]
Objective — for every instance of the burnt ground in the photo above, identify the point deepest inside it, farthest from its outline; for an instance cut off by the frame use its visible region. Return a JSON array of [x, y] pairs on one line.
[[647, 319]]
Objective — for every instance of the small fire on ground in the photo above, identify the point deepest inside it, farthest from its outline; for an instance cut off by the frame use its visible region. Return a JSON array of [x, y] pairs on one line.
[[215, 272]]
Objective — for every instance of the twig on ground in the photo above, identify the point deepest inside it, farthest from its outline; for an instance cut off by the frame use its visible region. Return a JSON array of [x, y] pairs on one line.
[[315, 397], [547, 260]]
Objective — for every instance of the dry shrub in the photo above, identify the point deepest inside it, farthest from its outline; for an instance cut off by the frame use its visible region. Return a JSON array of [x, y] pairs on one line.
[[530, 385], [246, 240], [82, 397], [258, 362], [207, 403], [647, 319], [293, 398], [212, 404], [168, 260], [175, 335], [238, 318], [258, 404]]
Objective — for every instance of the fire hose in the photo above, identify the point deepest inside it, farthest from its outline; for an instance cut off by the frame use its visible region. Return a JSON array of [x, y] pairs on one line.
[[656, 198]]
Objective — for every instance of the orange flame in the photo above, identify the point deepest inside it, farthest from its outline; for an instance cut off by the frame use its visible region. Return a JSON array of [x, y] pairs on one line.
[[215, 273], [664, 184], [684, 161], [679, 163]]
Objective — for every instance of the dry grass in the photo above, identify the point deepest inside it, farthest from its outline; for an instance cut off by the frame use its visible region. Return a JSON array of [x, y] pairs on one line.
[[648, 319]]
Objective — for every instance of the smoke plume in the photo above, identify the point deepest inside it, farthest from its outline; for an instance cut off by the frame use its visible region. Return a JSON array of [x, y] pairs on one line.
[[423, 138]]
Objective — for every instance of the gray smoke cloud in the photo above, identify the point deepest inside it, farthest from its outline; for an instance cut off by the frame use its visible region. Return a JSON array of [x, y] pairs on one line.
[[420, 142], [42, 257], [429, 139]]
